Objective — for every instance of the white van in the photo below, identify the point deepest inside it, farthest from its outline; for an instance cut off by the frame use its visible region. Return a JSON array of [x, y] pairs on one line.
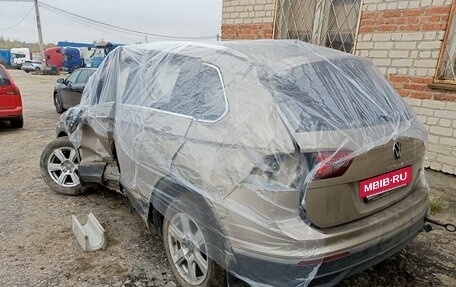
[[19, 56]]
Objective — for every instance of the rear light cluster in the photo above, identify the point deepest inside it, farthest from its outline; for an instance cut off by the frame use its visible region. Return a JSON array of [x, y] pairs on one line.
[[10, 90], [331, 163]]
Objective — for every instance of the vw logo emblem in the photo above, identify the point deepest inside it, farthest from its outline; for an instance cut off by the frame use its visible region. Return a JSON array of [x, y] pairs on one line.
[[397, 150]]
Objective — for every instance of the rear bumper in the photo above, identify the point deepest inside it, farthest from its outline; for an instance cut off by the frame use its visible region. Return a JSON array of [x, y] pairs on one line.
[[328, 273], [8, 114]]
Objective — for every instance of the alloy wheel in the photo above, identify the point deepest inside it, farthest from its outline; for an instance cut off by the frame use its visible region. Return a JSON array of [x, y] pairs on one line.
[[63, 167], [188, 249]]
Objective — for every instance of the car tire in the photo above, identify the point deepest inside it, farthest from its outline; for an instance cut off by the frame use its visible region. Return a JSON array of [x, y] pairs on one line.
[[59, 167], [17, 123], [58, 103], [27, 71], [180, 209]]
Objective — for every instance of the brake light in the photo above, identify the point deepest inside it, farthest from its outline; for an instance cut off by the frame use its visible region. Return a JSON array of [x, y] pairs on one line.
[[331, 163], [10, 90]]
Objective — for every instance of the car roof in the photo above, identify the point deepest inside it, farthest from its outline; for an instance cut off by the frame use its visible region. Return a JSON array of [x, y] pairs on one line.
[[273, 55]]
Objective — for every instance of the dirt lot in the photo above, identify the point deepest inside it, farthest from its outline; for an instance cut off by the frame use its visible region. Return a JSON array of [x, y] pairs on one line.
[[38, 247]]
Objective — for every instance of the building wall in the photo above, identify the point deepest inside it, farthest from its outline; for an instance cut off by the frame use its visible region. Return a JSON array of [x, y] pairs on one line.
[[248, 19], [403, 38]]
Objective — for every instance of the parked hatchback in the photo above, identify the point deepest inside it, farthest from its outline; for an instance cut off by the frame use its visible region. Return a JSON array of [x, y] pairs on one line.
[[10, 100], [274, 163], [68, 91]]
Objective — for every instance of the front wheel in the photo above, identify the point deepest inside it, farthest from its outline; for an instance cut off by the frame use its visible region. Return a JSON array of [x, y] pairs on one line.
[[59, 167], [187, 242], [58, 103]]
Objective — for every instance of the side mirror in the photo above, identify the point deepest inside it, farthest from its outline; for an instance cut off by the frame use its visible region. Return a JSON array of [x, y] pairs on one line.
[[61, 81]]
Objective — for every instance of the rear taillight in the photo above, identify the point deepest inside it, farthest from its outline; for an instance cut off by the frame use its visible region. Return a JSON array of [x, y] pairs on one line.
[[10, 90], [331, 163]]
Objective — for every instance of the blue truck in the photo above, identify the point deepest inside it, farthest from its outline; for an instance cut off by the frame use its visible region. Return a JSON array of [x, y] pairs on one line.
[[72, 59], [100, 51], [84, 55]]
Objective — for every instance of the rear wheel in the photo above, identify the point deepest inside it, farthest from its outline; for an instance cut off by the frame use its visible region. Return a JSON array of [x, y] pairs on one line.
[[59, 167], [187, 242], [17, 123], [58, 103]]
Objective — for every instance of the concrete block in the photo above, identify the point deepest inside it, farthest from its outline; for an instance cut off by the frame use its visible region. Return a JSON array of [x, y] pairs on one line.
[[441, 131], [402, 62], [434, 104], [378, 54], [451, 106], [432, 121], [365, 45], [436, 166], [430, 45], [414, 4], [439, 149], [409, 45], [398, 54], [445, 123], [448, 141], [432, 35], [448, 169], [383, 45], [413, 102], [425, 63], [418, 36], [445, 114], [381, 37]]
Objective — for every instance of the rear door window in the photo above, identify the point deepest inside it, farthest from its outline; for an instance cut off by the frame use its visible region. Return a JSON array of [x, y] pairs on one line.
[[174, 83], [4, 80], [198, 92]]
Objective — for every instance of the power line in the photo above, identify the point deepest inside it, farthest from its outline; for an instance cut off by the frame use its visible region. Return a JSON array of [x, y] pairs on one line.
[[91, 25], [127, 30], [20, 21]]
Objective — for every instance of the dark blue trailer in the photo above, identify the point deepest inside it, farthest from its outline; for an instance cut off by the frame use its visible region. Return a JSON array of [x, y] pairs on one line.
[[5, 57]]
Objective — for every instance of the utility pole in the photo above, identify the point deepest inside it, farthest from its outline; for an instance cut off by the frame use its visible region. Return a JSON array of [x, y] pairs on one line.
[[40, 35]]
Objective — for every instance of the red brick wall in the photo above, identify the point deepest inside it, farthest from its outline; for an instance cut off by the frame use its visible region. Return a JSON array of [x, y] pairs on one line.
[[419, 19], [247, 31], [417, 88]]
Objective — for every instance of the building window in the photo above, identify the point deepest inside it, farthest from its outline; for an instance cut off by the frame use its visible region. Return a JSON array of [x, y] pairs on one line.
[[446, 71], [329, 23]]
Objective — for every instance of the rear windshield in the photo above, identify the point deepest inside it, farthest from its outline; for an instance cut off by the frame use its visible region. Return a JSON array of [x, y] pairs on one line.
[[336, 94], [4, 81]]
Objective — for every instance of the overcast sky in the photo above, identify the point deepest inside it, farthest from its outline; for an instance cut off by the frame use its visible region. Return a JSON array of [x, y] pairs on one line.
[[166, 17]]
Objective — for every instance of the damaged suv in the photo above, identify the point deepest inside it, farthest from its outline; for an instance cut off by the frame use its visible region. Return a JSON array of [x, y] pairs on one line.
[[276, 163]]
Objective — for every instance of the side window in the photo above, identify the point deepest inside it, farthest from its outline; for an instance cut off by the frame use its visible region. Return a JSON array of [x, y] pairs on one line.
[[4, 81], [83, 77], [72, 78], [174, 83], [198, 92]]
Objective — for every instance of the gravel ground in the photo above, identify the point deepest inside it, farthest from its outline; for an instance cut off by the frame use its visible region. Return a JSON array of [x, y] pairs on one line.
[[38, 247]]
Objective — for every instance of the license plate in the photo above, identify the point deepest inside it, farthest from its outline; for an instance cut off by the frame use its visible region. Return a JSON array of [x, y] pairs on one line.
[[386, 182]]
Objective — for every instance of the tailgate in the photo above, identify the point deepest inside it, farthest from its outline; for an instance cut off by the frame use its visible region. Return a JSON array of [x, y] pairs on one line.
[[335, 201]]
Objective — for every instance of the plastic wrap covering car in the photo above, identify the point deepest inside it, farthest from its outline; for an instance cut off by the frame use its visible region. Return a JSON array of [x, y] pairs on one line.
[[257, 153]]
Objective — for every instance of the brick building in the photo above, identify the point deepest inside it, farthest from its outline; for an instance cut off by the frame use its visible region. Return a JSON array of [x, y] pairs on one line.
[[412, 41]]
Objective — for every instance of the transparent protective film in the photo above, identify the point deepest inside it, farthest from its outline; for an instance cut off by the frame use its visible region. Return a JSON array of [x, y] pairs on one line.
[[254, 156]]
